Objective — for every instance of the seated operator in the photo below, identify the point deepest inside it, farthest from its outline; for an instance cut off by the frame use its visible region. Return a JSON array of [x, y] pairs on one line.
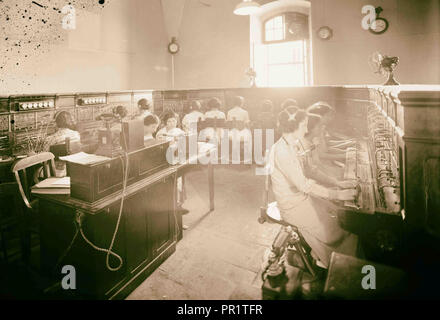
[[327, 154], [302, 201], [192, 116], [314, 167], [334, 139], [65, 130], [241, 118], [151, 123]]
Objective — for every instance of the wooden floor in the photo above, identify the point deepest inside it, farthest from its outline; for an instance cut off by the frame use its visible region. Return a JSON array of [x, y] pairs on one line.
[[219, 256], [221, 252]]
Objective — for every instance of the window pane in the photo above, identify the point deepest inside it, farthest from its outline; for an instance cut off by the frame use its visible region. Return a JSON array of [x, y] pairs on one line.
[[287, 52], [298, 51], [278, 22], [274, 29], [269, 35], [280, 53], [286, 75], [278, 34], [269, 24]]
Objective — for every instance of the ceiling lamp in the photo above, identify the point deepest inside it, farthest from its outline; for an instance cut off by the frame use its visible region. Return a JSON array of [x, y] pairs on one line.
[[246, 7]]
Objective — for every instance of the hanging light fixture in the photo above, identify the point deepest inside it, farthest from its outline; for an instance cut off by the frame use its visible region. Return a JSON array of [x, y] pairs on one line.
[[246, 7]]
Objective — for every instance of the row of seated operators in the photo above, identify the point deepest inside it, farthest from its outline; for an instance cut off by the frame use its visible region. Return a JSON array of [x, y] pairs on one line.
[[329, 144], [211, 123], [319, 141]]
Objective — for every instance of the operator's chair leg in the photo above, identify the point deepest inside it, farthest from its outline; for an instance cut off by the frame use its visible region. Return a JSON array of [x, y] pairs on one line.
[[302, 252]]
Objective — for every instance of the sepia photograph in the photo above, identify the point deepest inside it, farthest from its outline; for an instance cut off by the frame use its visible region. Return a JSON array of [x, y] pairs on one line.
[[217, 154]]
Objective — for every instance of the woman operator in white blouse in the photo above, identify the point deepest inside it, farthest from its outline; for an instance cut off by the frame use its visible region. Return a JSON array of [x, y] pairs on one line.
[[303, 202]]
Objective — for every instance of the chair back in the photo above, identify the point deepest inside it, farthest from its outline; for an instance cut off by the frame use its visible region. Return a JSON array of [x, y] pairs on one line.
[[236, 124], [212, 123], [44, 161]]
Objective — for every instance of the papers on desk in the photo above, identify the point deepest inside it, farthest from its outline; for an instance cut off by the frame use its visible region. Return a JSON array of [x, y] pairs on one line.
[[52, 186], [84, 158], [60, 182]]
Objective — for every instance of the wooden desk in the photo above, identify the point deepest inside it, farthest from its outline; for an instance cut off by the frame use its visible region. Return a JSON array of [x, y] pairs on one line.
[[145, 238], [147, 234]]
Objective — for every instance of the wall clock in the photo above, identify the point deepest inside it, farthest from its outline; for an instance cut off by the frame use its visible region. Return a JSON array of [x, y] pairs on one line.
[[325, 33], [380, 25], [173, 46]]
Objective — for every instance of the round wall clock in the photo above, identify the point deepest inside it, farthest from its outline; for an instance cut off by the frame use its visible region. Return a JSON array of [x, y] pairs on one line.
[[379, 26], [325, 33], [173, 47]]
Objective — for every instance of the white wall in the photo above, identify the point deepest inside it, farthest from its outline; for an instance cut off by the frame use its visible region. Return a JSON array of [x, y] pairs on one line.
[[214, 46], [413, 36], [215, 43], [119, 47], [124, 46]]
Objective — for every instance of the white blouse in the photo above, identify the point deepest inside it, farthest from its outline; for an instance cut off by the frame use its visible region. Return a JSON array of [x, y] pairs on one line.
[[169, 135], [289, 183], [215, 114], [191, 118], [239, 114], [60, 136]]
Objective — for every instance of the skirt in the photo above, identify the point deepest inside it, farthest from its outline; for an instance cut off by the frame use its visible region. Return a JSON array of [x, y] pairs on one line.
[[317, 221]]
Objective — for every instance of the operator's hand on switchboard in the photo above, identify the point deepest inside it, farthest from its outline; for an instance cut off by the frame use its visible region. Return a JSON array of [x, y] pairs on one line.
[[347, 184], [346, 194]]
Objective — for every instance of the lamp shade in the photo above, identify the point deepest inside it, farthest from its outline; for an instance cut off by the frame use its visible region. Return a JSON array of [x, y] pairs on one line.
[[246, 7]]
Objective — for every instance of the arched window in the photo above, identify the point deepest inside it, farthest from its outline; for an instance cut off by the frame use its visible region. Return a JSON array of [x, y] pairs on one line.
[[274, 29], [282, 54]]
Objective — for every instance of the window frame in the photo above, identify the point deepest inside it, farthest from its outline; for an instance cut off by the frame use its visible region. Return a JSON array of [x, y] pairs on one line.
[[306, 48], [303, 62], [263, 27]]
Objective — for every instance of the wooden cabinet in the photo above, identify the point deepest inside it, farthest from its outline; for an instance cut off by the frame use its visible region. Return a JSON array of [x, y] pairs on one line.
[[93, 182], [145, 238]]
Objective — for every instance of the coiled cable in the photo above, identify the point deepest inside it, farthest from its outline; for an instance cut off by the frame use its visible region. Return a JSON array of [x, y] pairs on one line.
[[109, 251]]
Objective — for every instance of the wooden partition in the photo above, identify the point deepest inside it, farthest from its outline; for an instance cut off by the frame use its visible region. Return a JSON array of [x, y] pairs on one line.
[[33, 115], [30, 116]]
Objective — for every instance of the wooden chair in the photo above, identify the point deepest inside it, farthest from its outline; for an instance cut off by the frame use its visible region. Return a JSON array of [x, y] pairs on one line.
[[236, 124], [27, 172], [215, 123], [22, 168], [11, 214]]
